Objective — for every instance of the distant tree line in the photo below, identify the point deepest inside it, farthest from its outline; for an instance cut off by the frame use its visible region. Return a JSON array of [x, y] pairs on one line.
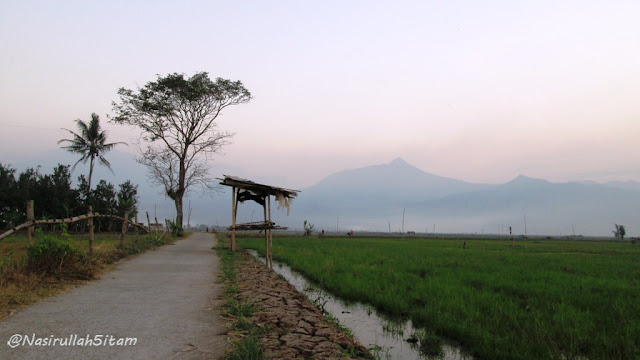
[[54, 198]]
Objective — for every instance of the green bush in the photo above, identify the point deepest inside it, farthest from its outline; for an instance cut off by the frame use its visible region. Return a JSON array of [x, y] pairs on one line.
[[55, 257]]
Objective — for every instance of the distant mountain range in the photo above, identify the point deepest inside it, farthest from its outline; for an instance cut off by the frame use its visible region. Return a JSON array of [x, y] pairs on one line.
[[375, 197]]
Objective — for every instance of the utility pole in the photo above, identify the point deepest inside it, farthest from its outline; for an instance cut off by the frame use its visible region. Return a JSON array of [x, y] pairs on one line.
[[189, 216], [403, 220], [525, 225]]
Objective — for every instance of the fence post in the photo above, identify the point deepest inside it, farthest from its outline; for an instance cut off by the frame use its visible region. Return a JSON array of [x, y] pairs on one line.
[[90, 215], [30, 217], [135, 227], [124, 228], [149, 222]]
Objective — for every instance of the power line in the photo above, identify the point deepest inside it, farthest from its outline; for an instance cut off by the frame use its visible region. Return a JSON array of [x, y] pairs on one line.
[[27, 127]]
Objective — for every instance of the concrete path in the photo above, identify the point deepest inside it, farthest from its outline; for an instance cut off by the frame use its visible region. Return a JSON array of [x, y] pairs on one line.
[[165, 299]]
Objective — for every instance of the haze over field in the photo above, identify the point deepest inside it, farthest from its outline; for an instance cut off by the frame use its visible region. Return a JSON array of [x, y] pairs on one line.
[[372, 198], [479, 92]]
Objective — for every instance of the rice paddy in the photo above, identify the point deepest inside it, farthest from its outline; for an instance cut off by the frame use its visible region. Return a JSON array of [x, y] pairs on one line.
[[528, 300]]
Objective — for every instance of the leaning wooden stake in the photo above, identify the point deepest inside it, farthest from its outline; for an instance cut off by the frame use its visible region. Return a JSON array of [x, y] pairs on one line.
[[30, 217], [149, 222], [89, 214]]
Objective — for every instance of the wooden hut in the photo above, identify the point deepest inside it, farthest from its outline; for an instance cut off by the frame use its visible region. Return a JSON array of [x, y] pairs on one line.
[[243, 190]]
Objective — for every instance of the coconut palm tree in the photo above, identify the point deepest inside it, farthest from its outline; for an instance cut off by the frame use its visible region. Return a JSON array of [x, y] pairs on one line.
[[91, 143]]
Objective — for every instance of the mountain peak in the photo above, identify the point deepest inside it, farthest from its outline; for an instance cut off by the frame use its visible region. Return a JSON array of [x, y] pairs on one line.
[[525, 180], [399, 162]]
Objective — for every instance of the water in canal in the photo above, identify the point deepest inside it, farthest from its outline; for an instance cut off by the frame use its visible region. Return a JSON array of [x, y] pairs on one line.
[[387, 337]]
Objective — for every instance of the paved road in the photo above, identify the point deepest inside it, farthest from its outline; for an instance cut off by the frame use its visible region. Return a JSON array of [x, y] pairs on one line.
[[164, 298]]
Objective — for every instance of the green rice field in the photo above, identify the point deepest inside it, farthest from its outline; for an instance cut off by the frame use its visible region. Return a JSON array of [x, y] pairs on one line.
[[529, 300]]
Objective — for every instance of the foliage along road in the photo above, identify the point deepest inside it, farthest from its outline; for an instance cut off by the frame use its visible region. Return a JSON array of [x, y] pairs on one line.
[[164, 299]]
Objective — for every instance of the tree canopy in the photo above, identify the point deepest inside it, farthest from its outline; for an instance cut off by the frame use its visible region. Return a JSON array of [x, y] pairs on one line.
[[55, 198], [91, 143], [177, 116]]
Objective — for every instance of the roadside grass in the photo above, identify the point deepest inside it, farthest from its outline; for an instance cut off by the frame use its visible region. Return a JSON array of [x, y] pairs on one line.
[[538, 299], [62, 262], [245, 335]]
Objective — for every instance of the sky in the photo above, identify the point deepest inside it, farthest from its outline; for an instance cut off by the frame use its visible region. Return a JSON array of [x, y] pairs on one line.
[[478, 91]]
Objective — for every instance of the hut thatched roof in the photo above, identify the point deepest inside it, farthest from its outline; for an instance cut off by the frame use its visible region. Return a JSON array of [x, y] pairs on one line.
[[258, 189]]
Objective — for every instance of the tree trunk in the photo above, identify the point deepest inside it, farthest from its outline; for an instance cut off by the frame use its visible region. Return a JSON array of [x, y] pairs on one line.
[[180, 193], [89, 182], [179, 216], [90, 230]]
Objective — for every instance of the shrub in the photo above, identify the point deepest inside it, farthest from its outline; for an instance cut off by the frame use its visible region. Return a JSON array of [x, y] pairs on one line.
[[55, 257], [308, 228]]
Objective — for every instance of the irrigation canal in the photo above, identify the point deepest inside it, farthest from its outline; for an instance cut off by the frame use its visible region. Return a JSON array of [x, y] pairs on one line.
[[388, 337]]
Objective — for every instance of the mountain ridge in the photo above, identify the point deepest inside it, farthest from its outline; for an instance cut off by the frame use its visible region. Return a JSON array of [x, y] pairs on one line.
[[366, 196], [373, 198]]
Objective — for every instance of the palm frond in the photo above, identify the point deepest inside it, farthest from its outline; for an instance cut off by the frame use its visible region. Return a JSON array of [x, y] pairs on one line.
[[105, 162], [89, 141]]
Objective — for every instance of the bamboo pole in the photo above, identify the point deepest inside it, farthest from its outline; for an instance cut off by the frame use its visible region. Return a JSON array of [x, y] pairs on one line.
[[90, 229], [30, 217], [234, 206]]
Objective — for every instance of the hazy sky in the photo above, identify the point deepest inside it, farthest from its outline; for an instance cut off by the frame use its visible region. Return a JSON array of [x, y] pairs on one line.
[[477, 90]]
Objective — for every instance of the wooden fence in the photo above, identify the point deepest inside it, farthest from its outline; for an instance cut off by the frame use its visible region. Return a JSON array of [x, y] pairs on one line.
[[90, 215]]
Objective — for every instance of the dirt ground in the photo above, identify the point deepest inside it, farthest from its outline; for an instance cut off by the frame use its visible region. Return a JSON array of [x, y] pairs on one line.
[[296, 328]]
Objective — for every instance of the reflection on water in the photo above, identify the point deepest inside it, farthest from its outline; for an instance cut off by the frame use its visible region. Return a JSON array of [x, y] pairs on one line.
[[386, 337]]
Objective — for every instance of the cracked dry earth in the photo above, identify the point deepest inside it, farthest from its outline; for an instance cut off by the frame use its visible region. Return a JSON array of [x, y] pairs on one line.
[[297, 329]]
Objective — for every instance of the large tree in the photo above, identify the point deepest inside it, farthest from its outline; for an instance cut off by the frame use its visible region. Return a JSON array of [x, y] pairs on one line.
[[91, 143], [177, 116]]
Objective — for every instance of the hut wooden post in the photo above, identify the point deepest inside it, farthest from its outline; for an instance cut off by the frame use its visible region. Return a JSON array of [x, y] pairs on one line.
[[270, 236], [261, 194], [234, 207], [124, 228], [266, 232], [30, 217], [149, 222], [90, 216]]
